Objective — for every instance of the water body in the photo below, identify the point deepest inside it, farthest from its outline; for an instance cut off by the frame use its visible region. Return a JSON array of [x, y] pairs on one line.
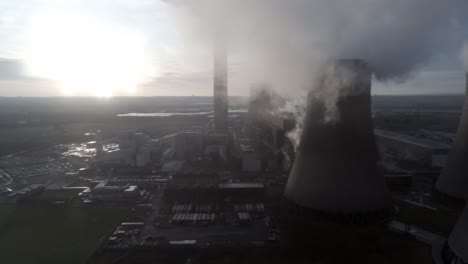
[[165, 114]]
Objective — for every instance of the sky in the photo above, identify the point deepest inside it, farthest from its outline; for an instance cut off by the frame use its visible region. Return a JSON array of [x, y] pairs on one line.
[[142, 48]]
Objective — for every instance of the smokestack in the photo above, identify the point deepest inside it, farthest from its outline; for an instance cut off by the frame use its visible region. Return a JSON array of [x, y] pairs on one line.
[[220, 86], [453, 180], [335, 170], [458, 240]]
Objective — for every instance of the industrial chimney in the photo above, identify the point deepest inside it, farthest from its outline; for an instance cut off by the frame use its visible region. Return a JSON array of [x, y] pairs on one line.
[[453, 180], [335, 170], [220, 92], [458, 240]]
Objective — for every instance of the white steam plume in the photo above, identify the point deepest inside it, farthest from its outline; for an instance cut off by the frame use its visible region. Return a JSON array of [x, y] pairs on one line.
[[286, 42], [296, 107]]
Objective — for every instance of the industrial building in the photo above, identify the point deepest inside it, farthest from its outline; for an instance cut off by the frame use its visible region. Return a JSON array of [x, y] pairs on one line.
[[453, 180], [268, 128], [249, 159], [335, 170], [106, 192], [27, 192], [129, 149]]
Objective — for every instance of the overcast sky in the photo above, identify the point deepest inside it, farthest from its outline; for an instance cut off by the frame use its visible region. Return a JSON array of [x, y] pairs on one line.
[[136, 47]]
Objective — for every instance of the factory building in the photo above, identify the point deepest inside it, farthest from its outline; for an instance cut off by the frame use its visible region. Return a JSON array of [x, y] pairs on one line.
[[128, 149], [453, 180], [143, 156], [189, 144], [27, 192], [249, 159], [335, 170], [272, 137], [106, 192], [184, 145], [242, 191], [268, 129]]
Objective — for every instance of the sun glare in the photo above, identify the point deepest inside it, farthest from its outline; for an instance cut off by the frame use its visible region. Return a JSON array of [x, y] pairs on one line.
[[86, 56]]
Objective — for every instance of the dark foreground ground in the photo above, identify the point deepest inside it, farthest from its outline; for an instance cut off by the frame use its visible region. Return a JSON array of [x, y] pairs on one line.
[[321, 244], [32, 233]]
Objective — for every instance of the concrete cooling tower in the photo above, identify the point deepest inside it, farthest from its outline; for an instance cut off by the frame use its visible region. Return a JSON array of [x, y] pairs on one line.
[[336, 170], [453, 180], [458, 240]]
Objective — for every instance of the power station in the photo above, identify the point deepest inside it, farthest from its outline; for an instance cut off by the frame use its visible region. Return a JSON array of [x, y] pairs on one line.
[[336, 170], [454, 177], [220, 84]]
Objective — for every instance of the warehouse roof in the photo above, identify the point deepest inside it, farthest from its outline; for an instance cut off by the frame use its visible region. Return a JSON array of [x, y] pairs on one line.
[[246, 185]]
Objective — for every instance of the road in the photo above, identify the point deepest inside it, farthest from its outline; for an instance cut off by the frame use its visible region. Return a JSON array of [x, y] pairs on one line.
[[5, 178]]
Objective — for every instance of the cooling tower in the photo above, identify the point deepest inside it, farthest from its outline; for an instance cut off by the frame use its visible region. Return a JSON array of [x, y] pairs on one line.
[[220, 92], [454, 177], [458, 240], [335, 170]]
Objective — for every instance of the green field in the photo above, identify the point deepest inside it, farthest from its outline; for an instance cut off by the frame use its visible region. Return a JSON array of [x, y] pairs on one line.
[[46, 234]]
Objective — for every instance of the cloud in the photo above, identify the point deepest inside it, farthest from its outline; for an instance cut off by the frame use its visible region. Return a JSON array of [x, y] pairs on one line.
[[180, 84], [285, 41], [275, 41], [425, 82], [464, 56], [11, 69]]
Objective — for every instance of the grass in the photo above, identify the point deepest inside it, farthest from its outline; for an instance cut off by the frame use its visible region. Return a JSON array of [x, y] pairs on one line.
[[45, 234]]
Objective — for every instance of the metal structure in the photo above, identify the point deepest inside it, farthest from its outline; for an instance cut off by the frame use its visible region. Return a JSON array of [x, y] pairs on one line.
[[453, 180], [336, 170]]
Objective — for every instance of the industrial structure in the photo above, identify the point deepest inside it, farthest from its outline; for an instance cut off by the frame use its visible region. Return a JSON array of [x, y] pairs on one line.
[[220, 91], [453, 180], [335, 170], [458, 240]]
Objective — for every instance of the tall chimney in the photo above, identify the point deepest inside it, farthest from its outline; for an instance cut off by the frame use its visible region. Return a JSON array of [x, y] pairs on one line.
[[335, 170], [220, 86], [453, 180], [458, 240]]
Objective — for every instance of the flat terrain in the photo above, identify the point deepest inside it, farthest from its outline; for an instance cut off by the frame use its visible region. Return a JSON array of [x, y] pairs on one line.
[[46, 234], [439, 222]]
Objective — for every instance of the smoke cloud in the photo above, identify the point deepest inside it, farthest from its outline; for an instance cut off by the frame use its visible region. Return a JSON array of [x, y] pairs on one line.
[[285, 43], [296, 107], [285, 40]]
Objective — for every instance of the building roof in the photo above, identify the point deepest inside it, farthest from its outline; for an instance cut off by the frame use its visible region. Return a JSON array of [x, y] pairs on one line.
[[173, 165], [241, 185]]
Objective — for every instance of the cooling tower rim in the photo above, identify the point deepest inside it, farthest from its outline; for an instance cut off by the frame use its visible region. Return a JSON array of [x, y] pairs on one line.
[[384, 206], [380, 214]]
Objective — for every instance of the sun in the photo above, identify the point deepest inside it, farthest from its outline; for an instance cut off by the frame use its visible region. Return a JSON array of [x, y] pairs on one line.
[[85, 55]]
